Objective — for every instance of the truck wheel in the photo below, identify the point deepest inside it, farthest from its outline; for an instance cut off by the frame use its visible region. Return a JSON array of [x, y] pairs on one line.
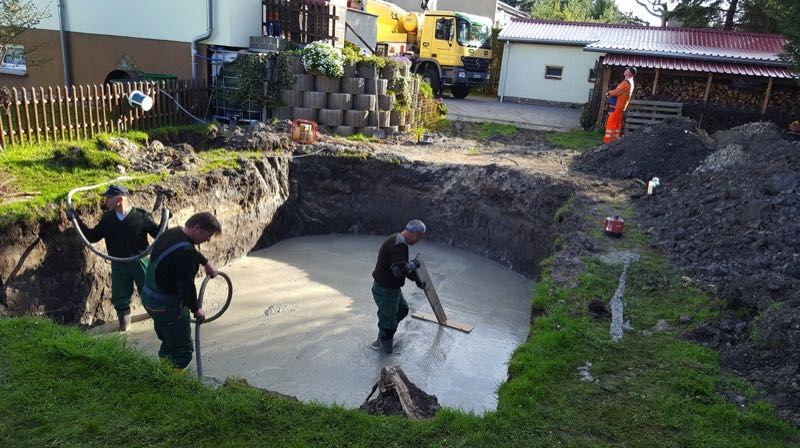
[[459, 92], [431, 76]]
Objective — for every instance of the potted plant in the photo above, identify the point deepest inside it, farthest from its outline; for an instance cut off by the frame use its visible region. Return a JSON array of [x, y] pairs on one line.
[[322, 58]]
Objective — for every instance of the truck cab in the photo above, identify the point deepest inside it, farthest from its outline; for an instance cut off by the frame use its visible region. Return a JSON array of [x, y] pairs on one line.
[[449, 49]]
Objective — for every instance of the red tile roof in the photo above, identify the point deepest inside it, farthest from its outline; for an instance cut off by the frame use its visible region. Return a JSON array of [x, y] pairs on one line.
[[697, 66], [700, 43]]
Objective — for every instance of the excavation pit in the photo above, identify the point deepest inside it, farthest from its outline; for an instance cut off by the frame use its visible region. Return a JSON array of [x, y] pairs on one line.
[[303, 315]]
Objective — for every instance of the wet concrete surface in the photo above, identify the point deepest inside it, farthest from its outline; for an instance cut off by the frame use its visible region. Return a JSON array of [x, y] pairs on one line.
[[302, 317]]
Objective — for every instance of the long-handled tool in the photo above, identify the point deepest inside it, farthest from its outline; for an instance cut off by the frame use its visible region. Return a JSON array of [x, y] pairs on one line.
[[433, 298]]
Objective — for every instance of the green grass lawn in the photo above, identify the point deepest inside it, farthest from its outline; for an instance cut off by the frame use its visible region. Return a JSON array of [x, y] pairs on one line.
[[577, 139], [50, 170], [61, 387]]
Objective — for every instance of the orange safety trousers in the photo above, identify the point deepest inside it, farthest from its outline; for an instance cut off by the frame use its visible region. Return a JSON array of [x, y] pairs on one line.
[[613, 126]]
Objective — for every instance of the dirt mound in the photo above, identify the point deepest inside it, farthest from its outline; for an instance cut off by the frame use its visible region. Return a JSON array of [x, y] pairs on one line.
[[666, 150], [258, 137], [155, 156], [733, 224], [397, 395]]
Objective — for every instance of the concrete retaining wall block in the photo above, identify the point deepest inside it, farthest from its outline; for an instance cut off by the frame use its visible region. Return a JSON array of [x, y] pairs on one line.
[[356, 118], [292, 98], [345, 131], [304, 83], [315, 100], [367, 71], [282, 113], [364, 102], [389, 130], [330, 117], [385, 102], [397, 118], [353, 86], [341, 101], [326, 84], [304, 113], [369, 131]]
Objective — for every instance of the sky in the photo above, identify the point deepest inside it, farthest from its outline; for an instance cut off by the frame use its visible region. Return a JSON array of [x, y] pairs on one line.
[[638, 11]]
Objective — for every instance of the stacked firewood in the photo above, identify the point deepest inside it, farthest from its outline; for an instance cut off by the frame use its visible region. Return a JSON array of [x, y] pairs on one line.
[[723, 91]]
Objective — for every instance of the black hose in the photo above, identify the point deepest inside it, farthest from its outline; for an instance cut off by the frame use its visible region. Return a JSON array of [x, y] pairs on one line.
[[200, 297]]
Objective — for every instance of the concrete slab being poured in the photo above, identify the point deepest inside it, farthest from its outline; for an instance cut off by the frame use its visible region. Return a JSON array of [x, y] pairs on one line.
[[302, 317]]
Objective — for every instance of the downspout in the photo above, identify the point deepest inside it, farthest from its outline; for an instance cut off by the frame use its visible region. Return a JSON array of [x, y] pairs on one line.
[[202, 37], [62, 31], [504, 64]]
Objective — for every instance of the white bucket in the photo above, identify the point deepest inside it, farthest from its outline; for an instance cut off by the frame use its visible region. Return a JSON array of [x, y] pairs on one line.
[[139, 99]]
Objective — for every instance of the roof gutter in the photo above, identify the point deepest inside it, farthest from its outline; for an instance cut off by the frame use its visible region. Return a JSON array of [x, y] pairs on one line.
[[547, 42], [696, 57], [202, 37]]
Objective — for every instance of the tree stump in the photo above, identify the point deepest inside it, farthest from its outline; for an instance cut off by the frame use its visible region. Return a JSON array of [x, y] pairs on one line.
[[399, 396], [315, 100]]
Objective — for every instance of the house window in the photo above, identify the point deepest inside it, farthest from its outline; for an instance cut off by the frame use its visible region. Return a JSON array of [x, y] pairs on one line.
[[592, 75], [13, 60], [553, 72]]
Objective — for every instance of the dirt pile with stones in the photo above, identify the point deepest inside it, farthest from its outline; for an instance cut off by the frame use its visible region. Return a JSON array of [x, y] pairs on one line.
[[154, 157], [668, 150], [732, 222]]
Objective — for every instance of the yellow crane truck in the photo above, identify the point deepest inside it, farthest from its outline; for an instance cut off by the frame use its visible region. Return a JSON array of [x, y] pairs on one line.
[[447, 48]]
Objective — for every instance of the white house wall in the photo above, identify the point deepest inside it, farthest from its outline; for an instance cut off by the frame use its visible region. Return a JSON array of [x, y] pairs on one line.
[[174, 20], [523, 69]]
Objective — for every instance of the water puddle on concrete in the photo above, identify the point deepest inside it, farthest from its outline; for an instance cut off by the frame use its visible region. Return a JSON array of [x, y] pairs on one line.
[[302, 317]]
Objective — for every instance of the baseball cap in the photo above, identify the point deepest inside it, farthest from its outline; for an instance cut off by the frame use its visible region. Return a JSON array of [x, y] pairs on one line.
[[115, 190]]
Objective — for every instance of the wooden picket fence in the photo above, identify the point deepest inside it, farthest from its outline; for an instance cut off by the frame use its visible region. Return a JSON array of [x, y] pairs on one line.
[[43, 114]]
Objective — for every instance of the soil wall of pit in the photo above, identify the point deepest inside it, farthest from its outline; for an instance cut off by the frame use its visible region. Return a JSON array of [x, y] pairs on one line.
[[502, 214]]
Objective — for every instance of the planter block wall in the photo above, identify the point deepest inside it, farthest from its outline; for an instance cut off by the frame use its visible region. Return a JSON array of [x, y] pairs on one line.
[[315, 100], [341, 101], [356, 103], [326, 84]]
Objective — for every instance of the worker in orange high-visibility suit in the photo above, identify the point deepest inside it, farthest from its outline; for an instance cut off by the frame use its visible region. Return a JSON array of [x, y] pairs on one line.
[[622, 94]]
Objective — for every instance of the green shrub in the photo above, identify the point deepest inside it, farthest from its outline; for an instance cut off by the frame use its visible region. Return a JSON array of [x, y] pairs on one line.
[[324, 58], [378, 61], [425, 89], [351, 52]]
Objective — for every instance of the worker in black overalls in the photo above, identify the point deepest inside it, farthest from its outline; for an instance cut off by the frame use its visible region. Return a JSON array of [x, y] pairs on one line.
[[169, 290]]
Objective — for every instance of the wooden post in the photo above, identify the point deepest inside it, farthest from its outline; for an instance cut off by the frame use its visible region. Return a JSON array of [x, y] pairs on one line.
[[601, 109], [27, 115], [52, 113], [708, 87], [17, 114], [766, 97], [10, 122], [2, 135], [60, 112], [37, 129], [655, 81], [89, 106], [75, 112]]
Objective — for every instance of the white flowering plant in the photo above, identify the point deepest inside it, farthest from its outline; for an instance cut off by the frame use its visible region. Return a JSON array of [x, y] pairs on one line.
[[323, 57]]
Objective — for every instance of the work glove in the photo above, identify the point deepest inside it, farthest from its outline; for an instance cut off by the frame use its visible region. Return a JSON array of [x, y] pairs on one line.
[[413, 264], [421, 284]]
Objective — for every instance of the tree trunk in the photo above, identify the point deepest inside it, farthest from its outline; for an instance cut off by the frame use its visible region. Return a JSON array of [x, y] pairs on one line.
[[730, 15]]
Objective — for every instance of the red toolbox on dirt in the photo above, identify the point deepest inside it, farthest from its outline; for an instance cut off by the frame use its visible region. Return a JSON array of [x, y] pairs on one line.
[[614, 226], [304, 131]]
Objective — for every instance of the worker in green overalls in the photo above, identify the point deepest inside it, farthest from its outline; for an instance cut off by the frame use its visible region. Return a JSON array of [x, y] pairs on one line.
[[391, 270], [125, 230], [169, 290]]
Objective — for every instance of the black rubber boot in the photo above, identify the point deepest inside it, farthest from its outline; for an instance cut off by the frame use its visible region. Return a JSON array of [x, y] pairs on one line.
[[376, 344], [124, 320], [387, 345]]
